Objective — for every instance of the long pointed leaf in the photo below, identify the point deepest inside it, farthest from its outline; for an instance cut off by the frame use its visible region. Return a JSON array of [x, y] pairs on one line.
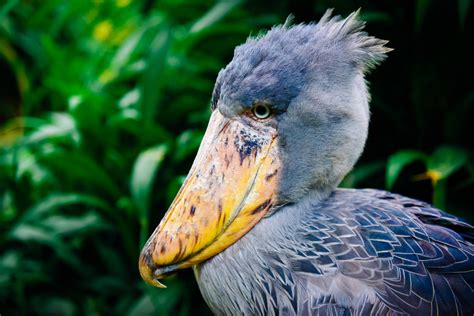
[[59, 200], [152, 80], [141, 185], [446, 160], [397, 162], [220, 10], [80, 167], [463, 10]]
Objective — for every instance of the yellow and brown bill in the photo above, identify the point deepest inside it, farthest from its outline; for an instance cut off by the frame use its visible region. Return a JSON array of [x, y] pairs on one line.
[[229, 188]]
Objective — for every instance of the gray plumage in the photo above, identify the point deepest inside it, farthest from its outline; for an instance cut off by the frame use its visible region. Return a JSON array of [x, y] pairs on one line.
[[357, 252], [323, 251]]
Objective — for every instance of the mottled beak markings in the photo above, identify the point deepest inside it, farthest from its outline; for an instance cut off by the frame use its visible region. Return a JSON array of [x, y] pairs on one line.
[[229, 188]]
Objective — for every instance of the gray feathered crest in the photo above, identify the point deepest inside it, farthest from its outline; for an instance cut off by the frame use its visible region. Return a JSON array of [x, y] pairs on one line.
[[367, 51], [276, 65], [330, 33]]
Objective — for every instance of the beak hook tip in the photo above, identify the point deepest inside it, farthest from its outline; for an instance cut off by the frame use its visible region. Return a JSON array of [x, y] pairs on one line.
[[158, 284]]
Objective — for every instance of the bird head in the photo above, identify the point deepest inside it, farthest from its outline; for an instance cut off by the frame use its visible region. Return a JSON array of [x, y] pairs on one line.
[[290, 117]]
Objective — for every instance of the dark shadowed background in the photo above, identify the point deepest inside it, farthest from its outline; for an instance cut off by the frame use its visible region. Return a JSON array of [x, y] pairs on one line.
[[103, 105]]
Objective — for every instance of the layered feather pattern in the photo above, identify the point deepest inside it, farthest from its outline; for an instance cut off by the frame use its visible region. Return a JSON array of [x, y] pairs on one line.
[[358, 252]]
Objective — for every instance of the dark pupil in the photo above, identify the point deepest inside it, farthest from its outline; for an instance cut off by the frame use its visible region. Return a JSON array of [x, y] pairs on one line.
[[261, 110]]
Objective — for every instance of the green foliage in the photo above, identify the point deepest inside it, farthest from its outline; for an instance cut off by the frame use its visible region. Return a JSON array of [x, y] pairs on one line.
[[439, 166], [143, 176], [397, 162], [104, 105], [115, 101], [463, 10]]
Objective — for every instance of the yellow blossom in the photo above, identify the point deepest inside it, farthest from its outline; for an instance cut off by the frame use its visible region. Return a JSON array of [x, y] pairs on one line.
[[122, 3], [102, 30], [432, 175], [107, 76]]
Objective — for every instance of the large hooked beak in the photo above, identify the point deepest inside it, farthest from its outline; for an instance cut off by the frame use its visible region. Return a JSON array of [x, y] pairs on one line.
[[230, 187]]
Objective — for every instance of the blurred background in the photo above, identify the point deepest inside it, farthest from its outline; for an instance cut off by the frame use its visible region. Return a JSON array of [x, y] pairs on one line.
[[103, 105]]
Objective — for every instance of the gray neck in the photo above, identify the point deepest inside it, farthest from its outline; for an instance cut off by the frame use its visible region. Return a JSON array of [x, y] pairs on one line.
[[294, 211]]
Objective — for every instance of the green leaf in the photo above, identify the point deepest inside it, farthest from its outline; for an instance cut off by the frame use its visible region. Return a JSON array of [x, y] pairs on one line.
[[152, 79], [133, 45], [26, 232], [361, 173], [463, 10], [79, 167], [8, 210], [113, 261], [129, 99], [375, 16], [60, 125], [69, 225], [33, 233], [59, 200], [144, 171], [168, 302], [10, 260], [124, 53], [420, 13], [27, 165], [143, 307], [56, 306], [446, 160], [220, 10], [143, 175], [108, 283], [439, 194], [5, 9], [397, 162]]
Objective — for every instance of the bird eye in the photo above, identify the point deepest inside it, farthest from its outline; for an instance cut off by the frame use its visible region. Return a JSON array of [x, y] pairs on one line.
[[262, 111]]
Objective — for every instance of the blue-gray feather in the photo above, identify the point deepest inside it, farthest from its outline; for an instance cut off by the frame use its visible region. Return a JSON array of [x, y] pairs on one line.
[[276, 66], [355, 253]]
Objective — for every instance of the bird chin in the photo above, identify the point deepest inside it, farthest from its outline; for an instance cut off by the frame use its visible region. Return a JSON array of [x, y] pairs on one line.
[[230, 187]]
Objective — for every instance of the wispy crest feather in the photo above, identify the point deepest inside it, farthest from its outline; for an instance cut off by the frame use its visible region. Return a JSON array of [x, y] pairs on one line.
[[368, 51], [276, 65]]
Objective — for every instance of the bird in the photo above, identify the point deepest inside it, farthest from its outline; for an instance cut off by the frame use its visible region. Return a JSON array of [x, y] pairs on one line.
[[260, 218]]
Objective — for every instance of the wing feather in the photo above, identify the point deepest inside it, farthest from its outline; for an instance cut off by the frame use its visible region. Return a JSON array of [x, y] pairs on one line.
[[416, 258]]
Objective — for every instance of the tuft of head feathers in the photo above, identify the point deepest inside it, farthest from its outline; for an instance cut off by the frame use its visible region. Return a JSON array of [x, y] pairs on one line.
[[332, 31], [279, 64], [367, 51]]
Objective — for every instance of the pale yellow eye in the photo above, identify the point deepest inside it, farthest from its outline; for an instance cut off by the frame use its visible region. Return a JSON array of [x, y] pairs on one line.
[[261, 111]]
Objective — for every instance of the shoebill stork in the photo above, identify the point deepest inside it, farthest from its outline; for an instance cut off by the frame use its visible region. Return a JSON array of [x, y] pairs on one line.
[[259, 217]]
